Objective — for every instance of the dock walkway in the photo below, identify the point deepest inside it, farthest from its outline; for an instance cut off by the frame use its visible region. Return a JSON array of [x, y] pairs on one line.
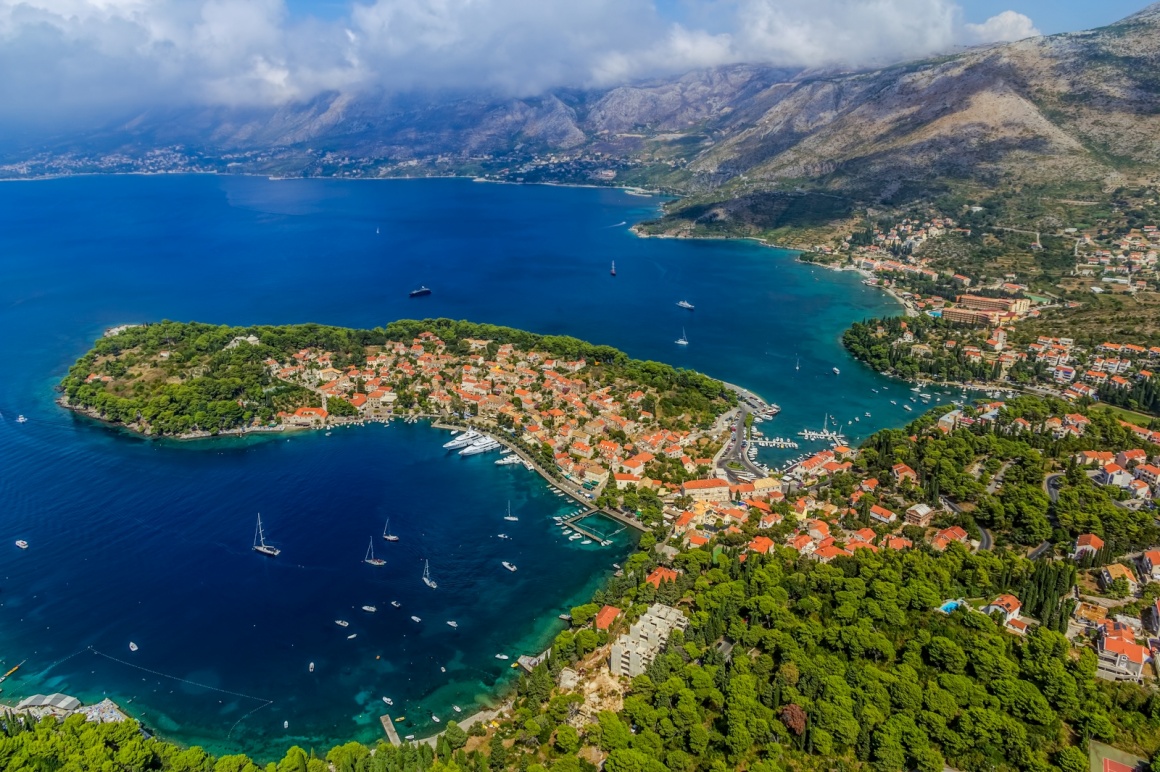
[[573, 521], [389, 727]]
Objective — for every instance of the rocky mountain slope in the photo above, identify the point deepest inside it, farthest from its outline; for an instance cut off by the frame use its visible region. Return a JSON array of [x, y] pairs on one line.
[[1065, 109]]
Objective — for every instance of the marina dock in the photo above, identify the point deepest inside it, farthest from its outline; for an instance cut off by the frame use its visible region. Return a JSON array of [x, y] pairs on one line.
[[573, 522], [389, 727]]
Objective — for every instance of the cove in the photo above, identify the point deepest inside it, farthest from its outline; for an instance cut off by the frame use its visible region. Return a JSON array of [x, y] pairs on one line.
[[150, 541]]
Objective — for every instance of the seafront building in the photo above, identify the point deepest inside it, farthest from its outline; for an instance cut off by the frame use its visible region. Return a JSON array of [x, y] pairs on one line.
[[634, 651]]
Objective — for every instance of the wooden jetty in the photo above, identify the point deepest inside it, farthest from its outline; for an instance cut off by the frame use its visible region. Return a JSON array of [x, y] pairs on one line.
[[389, 728]]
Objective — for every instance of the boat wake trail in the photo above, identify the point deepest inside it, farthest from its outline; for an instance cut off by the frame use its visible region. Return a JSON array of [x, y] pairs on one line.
[[617, 225]]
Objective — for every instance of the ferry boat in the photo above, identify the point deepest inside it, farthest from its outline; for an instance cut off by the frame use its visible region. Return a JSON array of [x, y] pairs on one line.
[[342, 623], [22, 544], [509, 516], [369, 609], [685, 304], [20, 419], [418, 293], [684, 339], [416, 619], [427, 576], [370, 558], [453, 624], [260, 544], [387, 535], [508, 566]]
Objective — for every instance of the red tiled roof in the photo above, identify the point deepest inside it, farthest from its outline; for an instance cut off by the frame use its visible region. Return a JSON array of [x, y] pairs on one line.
[[606, 616]]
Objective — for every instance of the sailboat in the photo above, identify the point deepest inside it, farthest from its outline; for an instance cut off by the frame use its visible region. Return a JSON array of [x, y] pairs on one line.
[[370, 558], [260, 544], [613, 267], [510, 516], [387, 532], [684, 339], [797, 365], [427, 576]]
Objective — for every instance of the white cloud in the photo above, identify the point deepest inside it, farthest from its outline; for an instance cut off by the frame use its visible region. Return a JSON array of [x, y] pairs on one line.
[[64, 58], [1006, 26]]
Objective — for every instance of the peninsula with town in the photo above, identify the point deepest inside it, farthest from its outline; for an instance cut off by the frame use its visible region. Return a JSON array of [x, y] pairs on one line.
[[978, 590]]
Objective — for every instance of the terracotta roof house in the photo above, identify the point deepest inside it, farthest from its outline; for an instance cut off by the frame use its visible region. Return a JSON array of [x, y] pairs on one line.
[[606, 616], [661, 574]]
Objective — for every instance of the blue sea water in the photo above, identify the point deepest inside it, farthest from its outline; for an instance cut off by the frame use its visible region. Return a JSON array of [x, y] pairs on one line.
[[146, 541]]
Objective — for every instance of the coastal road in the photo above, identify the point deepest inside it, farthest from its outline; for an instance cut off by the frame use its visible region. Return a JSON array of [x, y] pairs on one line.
[[735, 452], [1051, 486]]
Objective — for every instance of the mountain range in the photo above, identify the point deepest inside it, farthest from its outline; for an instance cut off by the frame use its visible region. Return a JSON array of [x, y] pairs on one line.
[[1075, 108]]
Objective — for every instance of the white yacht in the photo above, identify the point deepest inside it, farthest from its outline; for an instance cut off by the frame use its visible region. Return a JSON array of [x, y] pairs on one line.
[[684, 339], [22, 544], [416, 619], [509, 515], [20, 419], [686, 305], [453, 624], [352, 636], [476, 448], [502, 536], [457, 709], [388, 700], [466, 438], [501, 656], [575, 536], [435, 718], [311, 668], [369, 609], [342, 623], [427, 576], [396, 604], [260, 544], [508, 566]]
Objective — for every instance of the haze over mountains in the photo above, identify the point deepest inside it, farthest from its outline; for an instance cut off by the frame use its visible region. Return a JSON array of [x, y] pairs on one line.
[[1071, 107]]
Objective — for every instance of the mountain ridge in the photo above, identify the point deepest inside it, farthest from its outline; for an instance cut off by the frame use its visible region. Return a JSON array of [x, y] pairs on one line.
[[1080, 107]]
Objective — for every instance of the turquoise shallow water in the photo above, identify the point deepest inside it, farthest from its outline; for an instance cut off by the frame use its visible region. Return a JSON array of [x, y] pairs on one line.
[[149, 541]]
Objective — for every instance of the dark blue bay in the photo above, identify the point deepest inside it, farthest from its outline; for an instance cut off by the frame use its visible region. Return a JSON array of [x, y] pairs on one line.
[[149, 541]]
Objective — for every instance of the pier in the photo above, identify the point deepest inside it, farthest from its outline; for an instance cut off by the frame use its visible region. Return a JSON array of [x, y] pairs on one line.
[[389, 728], [573, 521]]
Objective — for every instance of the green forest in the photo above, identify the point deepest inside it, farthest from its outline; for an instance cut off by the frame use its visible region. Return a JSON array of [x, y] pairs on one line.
[[201, 385]]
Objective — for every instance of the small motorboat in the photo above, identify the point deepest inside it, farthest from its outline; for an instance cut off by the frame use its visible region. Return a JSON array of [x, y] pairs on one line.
[[388, 700], [509, 566], [369, 609], [502, 536], [342, 623], [453, 624], [352, 636], [132, 646], [435, 718], [311, 668], [22, 544], [396, 604], [20, 419], [442, 670], [502, 656], [457, 709], [586, 541], [285, 724], [416, 619]]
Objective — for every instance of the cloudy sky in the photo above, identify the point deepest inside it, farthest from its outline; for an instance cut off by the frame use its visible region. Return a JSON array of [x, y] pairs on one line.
[[70, 58]]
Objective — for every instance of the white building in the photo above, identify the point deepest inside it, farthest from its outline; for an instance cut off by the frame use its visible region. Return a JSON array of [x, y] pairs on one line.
[[634, 651]]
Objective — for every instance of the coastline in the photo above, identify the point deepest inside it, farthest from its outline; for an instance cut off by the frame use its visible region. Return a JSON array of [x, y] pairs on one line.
[[907, 309]]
